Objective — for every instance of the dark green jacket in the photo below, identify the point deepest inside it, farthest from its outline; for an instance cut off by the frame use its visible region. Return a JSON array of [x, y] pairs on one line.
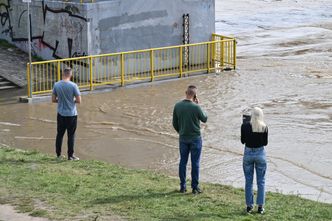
[[186, 119]]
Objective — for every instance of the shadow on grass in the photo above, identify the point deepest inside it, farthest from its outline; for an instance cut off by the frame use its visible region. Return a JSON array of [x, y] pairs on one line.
[[20, 160], [227, 212], [148, 195], [28, 156], [208, 216]]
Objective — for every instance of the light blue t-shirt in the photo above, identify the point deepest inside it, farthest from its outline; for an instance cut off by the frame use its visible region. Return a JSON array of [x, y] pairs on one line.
[[66, 91]]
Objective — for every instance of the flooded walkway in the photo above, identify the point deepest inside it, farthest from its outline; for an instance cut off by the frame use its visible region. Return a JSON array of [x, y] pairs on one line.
[[284, 66]]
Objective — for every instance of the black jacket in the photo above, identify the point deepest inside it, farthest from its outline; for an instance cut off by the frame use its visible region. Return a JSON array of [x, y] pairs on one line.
[[253, 139]]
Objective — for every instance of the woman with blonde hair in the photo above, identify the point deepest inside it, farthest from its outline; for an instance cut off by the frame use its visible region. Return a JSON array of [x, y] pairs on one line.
[[254, 135]]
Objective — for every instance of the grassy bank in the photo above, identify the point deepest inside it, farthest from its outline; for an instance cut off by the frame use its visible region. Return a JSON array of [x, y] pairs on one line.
[[92, 190], [5, 44]]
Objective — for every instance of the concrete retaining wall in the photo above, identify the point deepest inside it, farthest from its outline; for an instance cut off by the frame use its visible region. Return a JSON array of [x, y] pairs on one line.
[[61, 30], [122, 25], [58, 30]]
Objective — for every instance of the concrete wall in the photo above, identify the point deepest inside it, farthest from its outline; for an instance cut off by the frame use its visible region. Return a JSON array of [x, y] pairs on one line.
[[122, 25], [58, 29], [61, 30]]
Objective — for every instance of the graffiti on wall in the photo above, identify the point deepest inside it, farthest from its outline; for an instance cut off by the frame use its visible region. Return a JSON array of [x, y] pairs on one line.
[[4, 16], [61, 31]]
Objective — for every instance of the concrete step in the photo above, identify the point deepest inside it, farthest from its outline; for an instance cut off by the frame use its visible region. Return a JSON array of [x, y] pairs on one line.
[[7, 87], [5, 84]]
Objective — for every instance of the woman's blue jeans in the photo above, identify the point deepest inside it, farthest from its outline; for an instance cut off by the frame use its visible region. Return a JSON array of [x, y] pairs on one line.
[[254, 159], [194, 148]]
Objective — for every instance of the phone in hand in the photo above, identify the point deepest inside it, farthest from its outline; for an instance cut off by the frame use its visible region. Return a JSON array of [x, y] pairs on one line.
[[195, 99], [246, 118]]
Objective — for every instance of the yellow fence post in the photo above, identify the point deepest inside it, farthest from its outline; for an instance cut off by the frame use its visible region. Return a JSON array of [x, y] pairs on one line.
[[181, 62], [59, 71], [213, 49], [152, 65], [229, 50], [91, 73], [28, 78], [122, 70], [234, 53], [208, 57], [222, 52]]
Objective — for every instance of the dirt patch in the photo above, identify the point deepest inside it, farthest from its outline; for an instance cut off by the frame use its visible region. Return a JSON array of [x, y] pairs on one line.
[[8, 213]]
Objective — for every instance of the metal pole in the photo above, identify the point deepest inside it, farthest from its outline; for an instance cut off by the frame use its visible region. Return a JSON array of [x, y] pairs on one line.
[[152, 65], [122, 70], [234, 54], [181, 61], [208, 57], [91, 74], [29, 45]]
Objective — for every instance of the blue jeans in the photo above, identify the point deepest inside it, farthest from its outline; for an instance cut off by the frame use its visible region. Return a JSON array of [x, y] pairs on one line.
[[194, 147], [254, 158]]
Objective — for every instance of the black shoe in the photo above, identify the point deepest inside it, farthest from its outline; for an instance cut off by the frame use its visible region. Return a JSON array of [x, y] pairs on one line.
[[197, 191], [58, 158], [73, 158], [183, 190], [261, 210], [249, 209]]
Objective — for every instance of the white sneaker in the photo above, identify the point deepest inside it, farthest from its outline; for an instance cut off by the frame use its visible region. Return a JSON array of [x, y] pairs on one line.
[[73, 158]]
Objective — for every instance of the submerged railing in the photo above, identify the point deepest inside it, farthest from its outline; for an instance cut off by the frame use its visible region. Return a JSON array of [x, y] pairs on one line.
[[141, 65]]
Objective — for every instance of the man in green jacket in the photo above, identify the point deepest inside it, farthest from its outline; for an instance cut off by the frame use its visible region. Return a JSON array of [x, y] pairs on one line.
[[187, 115]]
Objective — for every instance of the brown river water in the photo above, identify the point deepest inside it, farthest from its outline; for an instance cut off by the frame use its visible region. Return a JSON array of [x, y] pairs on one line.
[[284, 67]]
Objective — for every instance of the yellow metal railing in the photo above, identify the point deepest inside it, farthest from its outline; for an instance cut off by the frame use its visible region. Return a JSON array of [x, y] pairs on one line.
[[141, 65], [82, 1], [225, 52]]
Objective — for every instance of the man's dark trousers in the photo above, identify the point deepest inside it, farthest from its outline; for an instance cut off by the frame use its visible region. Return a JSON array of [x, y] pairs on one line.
[[194, 148], [63, 124]]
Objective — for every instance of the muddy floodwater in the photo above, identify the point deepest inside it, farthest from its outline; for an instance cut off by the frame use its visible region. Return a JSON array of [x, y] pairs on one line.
[[284, 67]]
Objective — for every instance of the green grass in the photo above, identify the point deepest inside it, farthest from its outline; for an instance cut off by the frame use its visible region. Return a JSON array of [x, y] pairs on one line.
[[5, 44], [88, 190]]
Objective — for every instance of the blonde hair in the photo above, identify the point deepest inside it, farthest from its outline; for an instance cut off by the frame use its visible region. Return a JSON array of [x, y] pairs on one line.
[[257, 120]]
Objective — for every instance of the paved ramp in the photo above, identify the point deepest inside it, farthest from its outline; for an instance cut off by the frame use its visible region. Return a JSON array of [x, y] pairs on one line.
[[12, 67]]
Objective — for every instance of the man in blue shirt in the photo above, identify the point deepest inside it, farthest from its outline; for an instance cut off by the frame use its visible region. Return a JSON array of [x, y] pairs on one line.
[[67, 95]]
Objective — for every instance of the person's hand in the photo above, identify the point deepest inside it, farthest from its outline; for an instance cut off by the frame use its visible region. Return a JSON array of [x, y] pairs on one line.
[[196, 100]]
